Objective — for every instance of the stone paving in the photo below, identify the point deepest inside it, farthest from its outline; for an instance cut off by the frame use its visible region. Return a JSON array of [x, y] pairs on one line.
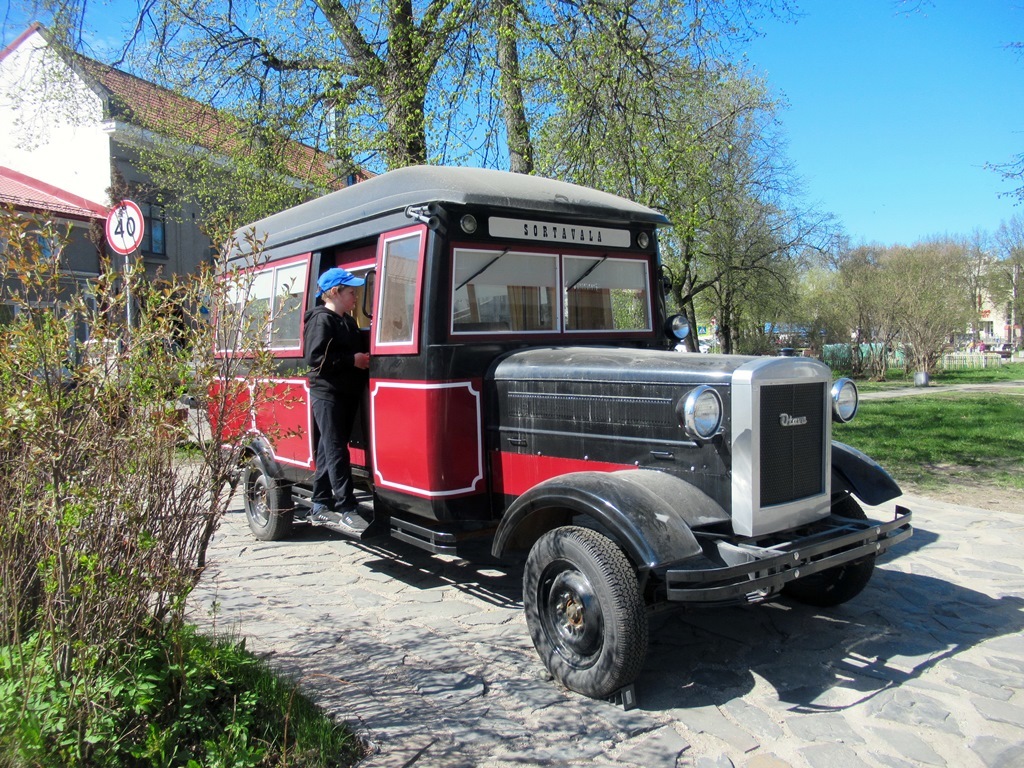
[[428, 658]]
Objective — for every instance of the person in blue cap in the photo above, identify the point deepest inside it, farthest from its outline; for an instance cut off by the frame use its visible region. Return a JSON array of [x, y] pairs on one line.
[[338, 363]]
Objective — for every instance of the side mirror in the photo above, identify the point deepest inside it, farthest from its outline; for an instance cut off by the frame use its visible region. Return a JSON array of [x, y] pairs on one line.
[[367, 307], [666, 278]]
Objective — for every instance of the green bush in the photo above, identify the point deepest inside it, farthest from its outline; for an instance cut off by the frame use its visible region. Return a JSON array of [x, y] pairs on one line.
[[103, 534], [176, 699]]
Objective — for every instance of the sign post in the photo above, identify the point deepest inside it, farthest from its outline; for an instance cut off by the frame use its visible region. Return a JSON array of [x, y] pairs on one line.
[[125, 227]]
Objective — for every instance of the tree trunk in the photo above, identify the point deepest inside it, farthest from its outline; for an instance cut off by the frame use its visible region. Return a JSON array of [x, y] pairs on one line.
[[404, 93], [520, 147], [726, 333], [405, 142], [692, 341]]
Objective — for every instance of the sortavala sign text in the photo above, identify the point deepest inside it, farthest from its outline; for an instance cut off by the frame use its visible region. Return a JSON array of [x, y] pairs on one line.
[[549, 232]]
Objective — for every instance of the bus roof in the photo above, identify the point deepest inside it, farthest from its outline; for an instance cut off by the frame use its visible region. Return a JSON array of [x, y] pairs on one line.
[[316, 223]]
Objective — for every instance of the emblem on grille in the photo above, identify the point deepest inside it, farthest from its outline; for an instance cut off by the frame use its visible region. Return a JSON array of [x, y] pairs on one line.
[[791, 421]]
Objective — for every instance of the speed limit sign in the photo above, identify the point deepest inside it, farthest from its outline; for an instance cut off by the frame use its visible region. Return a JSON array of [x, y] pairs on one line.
[[125, 227]]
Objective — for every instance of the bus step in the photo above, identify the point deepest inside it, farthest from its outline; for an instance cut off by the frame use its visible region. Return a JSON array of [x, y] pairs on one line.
[[438, 542]]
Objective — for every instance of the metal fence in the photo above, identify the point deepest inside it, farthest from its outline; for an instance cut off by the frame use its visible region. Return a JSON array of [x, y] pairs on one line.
[[966, 361], [841, 357]]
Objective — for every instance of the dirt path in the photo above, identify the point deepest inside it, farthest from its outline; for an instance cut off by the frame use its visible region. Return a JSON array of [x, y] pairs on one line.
[[975, 495]]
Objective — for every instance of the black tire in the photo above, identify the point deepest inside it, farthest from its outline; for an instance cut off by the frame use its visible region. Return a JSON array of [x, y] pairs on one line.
[[835, 585], [585, 612], [268, 503]]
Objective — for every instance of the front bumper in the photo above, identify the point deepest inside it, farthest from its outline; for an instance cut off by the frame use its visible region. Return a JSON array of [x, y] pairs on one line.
[[768, 568]]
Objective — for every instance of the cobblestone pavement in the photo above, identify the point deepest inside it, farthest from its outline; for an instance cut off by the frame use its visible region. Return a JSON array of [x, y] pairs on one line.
[[429, 660]]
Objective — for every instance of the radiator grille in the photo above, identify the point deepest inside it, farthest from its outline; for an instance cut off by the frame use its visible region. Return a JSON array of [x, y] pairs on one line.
[[792, 456], [637, 412]]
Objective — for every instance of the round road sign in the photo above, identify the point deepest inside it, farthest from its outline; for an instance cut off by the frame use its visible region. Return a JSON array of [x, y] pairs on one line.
[[125, 227]]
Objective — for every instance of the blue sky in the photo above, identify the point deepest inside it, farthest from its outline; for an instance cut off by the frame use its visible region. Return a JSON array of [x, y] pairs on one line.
[[892, 116]]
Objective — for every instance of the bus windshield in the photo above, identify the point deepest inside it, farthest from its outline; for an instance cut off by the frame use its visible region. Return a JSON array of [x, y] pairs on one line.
[[506, 291]]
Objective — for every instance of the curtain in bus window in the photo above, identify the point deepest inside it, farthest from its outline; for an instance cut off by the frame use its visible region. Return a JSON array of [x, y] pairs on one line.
[[398, 291], [498, 291], [605, 294]]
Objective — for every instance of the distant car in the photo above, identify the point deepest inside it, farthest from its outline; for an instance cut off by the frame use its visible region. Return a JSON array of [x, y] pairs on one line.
[[1005, 350], [702, 347]]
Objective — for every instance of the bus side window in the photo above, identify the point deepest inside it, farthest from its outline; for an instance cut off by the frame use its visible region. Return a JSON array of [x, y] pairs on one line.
[[286, 319], [400, 267]]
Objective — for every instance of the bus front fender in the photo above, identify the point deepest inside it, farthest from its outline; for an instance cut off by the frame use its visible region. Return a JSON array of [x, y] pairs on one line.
[[647, 513]]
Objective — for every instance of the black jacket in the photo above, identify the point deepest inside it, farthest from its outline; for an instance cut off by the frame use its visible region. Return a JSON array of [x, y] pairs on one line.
[[331, 343]]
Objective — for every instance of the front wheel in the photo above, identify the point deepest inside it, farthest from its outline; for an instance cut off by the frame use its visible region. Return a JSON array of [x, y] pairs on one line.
[[585, 612], [835, 586], [268, 503]]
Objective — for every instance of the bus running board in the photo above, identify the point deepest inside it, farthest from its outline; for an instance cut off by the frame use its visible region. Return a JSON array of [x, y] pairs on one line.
[[438, 542]]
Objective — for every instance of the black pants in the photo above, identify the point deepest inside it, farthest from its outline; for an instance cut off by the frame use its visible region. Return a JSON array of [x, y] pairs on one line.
[[332, 481]]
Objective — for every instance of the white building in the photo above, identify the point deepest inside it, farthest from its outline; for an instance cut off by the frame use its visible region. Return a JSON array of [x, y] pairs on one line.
[[71, 129]]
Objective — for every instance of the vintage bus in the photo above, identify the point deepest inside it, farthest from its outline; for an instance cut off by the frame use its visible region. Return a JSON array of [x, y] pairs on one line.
[[523, 387]]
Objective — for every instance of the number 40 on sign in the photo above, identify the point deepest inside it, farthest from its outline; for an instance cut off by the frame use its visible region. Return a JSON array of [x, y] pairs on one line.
[[125, 227]]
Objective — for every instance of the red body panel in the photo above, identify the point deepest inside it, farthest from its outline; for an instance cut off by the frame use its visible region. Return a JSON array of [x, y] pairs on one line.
[[427, 438], [284, 419], [515, 473], [234, 422]]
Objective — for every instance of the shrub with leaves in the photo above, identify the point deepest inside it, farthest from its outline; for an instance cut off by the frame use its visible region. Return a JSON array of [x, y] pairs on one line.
[[103, 528]]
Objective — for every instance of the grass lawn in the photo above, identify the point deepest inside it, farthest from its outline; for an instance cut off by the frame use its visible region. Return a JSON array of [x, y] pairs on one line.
[[898, 379], [935, 441]]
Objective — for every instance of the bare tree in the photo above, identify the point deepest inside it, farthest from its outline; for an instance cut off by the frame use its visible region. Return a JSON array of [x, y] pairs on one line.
[[977, 272], [932, 304], [870, 302], [1007, 286], [1013, 170]]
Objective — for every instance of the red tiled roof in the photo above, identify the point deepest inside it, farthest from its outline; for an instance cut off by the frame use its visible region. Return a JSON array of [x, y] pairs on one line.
[[158, 109], [29, 194]]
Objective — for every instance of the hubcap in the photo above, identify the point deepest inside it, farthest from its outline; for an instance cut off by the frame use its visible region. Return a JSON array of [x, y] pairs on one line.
[[257, 497], [572, 617]]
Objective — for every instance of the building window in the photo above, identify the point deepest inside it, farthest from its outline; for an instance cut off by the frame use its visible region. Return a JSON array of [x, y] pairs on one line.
[[46, 247], [155, 241]]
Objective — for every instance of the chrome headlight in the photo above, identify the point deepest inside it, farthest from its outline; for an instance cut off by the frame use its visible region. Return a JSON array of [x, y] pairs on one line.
[[701, 413], [844, 400], [677, 327]]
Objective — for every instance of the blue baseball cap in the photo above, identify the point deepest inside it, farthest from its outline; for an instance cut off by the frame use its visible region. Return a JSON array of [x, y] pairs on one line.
[[336, 276]]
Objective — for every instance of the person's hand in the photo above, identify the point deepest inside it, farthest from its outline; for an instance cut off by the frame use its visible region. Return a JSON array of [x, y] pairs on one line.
[[362, 360]]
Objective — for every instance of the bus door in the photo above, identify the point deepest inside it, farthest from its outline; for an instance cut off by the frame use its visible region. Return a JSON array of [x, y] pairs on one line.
[[361, 263]]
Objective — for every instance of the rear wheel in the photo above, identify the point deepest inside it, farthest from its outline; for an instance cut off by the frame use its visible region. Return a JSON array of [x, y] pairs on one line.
[[585, 612], [268, 503], [835, 585]]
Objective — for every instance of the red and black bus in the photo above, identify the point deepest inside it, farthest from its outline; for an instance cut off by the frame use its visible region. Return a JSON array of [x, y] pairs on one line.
[[523, 386]]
